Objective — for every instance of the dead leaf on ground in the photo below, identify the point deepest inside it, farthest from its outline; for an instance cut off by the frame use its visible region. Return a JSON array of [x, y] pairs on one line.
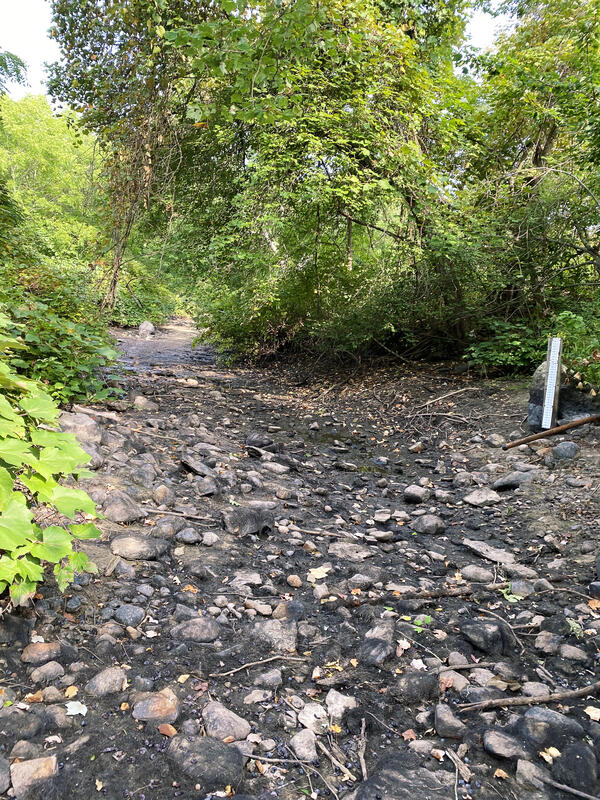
[[409, 735], [593, 712], [317, 574], [166, 729], [501, 775], [99, 785], [70, 692], [36, 697]]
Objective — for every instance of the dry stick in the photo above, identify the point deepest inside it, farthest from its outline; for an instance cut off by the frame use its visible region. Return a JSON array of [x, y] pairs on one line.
[[362, 746], [178, 514], [254, 664], [552, 431], [457, 667], [564, 788], [521, 700], [335, 762], [444, 396]]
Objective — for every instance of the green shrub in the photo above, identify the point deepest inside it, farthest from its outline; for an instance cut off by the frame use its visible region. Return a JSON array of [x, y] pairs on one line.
[[64, 355], [512, 347], [33, 459], [581, 343]]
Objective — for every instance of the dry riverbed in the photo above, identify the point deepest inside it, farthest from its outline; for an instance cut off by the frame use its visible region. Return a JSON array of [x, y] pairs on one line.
[[309, 586]]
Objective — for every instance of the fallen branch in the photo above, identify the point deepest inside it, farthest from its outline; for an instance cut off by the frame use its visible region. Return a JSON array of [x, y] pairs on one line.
[[444, 396], [522, 700], [552, 431], [362, 746], [567, 789], [254, 664], [345, 771], [178, 514]]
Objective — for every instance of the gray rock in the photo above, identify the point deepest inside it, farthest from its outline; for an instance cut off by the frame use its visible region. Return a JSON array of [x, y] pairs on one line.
[[502, 745], [207, 762], [26, 775], [349, 551], [514, 479], [415, 686], [304, 745], [493, 637], [128, 614], [163, 495], [141, 548], [199, 629], [188, 536], [482, 497], [221, 723], [547, 642], [529, 774], [143, 404], [543, 726], [337, 704], [416, 494], [477, 574], [429, 523], [577, 766], [280, 635], [378, 643], [146, 330], [564, 451], [109, 681], [447, 724], [82, 426], [393, 780], [4, 774], [47, 672], [97, 460], [270, 680], [120, 507], [314, 717], [245, 521]]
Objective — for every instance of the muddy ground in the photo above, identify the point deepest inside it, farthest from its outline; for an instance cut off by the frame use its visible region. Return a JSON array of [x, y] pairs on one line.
[[315, 585]]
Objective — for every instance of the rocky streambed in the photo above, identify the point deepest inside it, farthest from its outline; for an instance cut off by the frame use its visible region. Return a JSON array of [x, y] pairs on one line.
[[311, 587]]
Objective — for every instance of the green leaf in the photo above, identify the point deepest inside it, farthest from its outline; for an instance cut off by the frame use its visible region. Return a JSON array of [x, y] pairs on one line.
[[6, 487], [15, 452], [40, 406], [15, 523], [56, 544], [68, 501], [87, 530], [22, 590]]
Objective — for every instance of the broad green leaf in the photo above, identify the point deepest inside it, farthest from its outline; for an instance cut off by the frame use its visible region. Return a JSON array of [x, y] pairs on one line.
[[16, 452], [81, 563], [30, 568], [8, 412], [40, 406], [6, 487], [87, 530], [68, 501], [21, 591], [8, 569], [43, 487], [15, 524], [56, 544]]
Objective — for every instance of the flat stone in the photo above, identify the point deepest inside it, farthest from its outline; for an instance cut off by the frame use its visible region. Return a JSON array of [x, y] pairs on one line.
[[393, 780], [378, 643], [199, 629], [143, 404], [246, 521], [157, 707], [84, 428], [502, 745], [139, 548], [571, 653], [146, 329], [120, 507], [206, 761], [338, 703], [222, 723], [577, 766], [280, 635], [349, 551], [4, 774], [47, 672], [109, 681], [26, 774], [128, 614], [512, 480], [491, 636], [543, 726], [416, 494], [430, 524], [547, 642], [565, 450], [485, 550], [257, 696], [314, 717], [271, 679], [482, 497], [477, 574], [40, 652], [447, 724], [304, 745]]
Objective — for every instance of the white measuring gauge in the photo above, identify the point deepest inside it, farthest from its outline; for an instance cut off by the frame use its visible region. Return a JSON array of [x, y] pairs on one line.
[[553, 359]]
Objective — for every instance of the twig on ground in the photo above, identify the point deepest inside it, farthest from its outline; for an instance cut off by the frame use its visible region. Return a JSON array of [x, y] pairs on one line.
[[444, 396], [568, 789], [497, 616], [461, 667], [362, 746], [177, 514], [255, 664], [522, 700], [335, 762]]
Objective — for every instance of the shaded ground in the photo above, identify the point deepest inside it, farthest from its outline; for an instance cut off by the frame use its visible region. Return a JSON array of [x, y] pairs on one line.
[[340, 536]]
